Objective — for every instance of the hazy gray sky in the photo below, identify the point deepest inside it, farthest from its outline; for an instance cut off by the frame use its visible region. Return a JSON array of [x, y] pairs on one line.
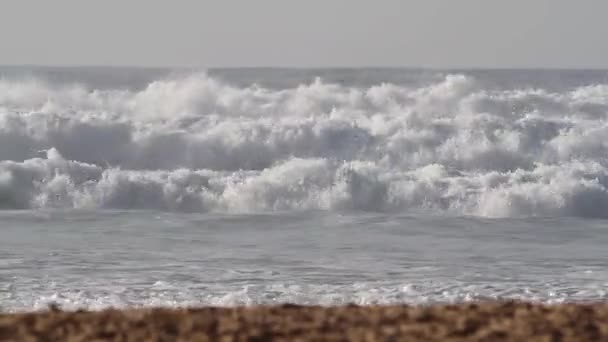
[[432, 33]]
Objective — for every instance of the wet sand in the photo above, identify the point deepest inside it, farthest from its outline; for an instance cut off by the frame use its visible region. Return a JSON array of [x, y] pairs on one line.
[[467, 322]]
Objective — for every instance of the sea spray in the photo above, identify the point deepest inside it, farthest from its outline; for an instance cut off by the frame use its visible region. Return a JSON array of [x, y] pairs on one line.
[[196, 143]]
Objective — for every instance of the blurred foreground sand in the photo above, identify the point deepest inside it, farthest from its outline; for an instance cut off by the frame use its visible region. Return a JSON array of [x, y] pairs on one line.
[[467, 322]]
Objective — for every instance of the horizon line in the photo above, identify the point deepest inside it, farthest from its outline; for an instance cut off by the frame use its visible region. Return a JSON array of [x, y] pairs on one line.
[[296, 67]]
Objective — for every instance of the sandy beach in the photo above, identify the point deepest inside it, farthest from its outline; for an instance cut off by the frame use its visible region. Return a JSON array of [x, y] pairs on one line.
[[507, 321]]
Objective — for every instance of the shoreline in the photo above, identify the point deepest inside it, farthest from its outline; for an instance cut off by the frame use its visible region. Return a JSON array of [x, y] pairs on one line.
[[484, 321]]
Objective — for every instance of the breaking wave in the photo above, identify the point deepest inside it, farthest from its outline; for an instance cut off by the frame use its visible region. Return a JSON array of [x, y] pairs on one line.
[[195, 143]]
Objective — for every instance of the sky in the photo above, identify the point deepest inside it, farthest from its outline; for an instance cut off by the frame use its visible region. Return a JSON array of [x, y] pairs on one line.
[[311, 33]]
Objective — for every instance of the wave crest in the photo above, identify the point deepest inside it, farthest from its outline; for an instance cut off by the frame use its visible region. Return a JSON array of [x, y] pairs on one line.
[[198, 144]]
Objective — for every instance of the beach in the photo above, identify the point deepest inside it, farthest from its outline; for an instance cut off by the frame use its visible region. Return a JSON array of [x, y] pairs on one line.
[[303, 171], [491, 321]]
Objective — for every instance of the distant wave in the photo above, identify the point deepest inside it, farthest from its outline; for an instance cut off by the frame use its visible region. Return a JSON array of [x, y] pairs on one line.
[[197, 144]]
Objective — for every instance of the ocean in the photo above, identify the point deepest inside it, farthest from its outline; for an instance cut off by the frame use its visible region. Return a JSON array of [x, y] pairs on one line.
[[131, 187]]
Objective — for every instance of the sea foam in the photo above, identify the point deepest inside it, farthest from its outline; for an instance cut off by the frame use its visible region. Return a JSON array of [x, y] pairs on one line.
[[196, 143]]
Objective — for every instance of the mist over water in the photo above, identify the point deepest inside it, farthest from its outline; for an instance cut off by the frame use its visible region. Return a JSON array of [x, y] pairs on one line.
[[480, 143]]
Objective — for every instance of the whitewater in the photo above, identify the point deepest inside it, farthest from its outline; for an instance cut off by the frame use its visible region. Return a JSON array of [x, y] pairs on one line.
[[139, 187]]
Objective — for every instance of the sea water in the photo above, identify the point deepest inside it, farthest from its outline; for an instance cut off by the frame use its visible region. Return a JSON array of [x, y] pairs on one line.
[[132, 187]]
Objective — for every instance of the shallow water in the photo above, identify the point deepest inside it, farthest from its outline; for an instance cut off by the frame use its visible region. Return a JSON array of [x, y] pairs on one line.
[[99, 259]]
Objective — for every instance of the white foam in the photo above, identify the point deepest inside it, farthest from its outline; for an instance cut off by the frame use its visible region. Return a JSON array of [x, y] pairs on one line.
[[198, 144], [278, 293]]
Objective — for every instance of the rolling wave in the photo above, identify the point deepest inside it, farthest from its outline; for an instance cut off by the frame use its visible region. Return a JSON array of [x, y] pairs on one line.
[[195, 143]]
